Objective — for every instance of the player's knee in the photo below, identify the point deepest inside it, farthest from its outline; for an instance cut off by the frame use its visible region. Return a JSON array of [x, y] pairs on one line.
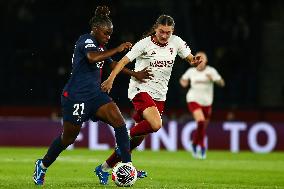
[[117, 121], [155, 129], [200, 120], [66, 141], [156, 125]]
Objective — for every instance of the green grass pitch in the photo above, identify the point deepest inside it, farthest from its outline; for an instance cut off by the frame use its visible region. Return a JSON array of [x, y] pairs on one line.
[[74, 169]]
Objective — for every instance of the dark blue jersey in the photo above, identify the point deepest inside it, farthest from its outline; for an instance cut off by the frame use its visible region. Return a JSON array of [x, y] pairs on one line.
[[85, 81]]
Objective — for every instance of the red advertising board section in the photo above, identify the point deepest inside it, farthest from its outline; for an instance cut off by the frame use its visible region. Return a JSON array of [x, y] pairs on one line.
[[234, 136]]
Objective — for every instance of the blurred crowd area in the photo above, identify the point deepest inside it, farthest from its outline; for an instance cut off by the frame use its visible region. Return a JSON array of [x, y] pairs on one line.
[[243, 40]]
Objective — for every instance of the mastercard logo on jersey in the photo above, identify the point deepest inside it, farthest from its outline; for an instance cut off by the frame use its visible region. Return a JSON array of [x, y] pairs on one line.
[[162, 63]]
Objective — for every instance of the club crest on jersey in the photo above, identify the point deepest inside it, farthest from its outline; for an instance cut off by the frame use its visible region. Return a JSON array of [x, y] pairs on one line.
[[171, 50], [100, 64]]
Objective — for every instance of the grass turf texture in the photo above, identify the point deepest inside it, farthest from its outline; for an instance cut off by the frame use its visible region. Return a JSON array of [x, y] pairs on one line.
[[74, 169]]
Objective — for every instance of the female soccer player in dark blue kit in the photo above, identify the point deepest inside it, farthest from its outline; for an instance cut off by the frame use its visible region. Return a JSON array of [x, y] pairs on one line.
[[82, 98]]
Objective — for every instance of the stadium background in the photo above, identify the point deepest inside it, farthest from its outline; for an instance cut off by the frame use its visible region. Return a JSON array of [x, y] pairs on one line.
[[243, 40]]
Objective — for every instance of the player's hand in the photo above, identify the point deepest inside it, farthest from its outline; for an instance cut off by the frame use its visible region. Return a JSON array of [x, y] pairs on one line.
[[124, 46], [143, 75], [107, 85], [196, 60]]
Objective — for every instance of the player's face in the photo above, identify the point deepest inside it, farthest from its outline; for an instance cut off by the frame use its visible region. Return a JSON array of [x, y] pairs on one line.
[[103, 33], [163, 33], [203, 57]]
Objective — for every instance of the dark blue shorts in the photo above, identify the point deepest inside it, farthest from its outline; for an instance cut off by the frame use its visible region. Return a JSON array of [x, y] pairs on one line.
[[78, 112]]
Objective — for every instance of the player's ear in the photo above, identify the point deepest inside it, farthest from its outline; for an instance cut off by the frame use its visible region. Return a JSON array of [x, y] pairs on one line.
[[95, 28]]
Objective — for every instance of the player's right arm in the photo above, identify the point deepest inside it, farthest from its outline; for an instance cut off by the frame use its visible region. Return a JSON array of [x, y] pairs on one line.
[[136, 51], [97, 56], [185, 79], [184, 83], [107, 84]]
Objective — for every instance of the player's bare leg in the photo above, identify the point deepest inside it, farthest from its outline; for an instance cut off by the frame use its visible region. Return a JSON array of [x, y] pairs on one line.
[[152, 122]]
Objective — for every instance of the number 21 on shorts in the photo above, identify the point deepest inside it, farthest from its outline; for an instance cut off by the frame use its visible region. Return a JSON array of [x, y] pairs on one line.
[[78, 109]]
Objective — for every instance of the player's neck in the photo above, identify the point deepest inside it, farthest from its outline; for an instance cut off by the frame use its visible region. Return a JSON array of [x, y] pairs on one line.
[[154, 39]]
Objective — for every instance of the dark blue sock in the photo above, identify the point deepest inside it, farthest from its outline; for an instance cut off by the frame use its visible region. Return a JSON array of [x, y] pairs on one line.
[[203, 151], [123, 143], [53, 152]]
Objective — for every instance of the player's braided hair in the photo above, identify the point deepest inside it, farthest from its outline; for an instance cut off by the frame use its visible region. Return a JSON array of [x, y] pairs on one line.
[[165, 20], [101, 17]]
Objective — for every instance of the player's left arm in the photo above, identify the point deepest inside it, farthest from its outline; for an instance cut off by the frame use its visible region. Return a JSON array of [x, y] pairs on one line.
[[220, 82], [216, 78], [97, 56]]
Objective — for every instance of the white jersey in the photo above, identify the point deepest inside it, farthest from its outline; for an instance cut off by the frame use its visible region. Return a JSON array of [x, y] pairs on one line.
[[160, 60], [201, 88]]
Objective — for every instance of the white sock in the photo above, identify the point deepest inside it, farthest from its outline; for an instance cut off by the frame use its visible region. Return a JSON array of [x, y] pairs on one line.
[[128, 132], [106, 167]]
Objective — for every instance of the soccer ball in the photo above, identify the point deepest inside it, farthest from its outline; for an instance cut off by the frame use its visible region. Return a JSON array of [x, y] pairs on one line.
[[124, 174]]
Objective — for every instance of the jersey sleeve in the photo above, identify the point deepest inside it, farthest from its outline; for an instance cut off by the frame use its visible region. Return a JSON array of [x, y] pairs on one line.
[[215, 75], [183, 49], [136, 50], [186, 75], [88, 45]]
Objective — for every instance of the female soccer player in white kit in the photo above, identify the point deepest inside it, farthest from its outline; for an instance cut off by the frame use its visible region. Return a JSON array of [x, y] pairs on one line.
[[200, 98], [157, 53]]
